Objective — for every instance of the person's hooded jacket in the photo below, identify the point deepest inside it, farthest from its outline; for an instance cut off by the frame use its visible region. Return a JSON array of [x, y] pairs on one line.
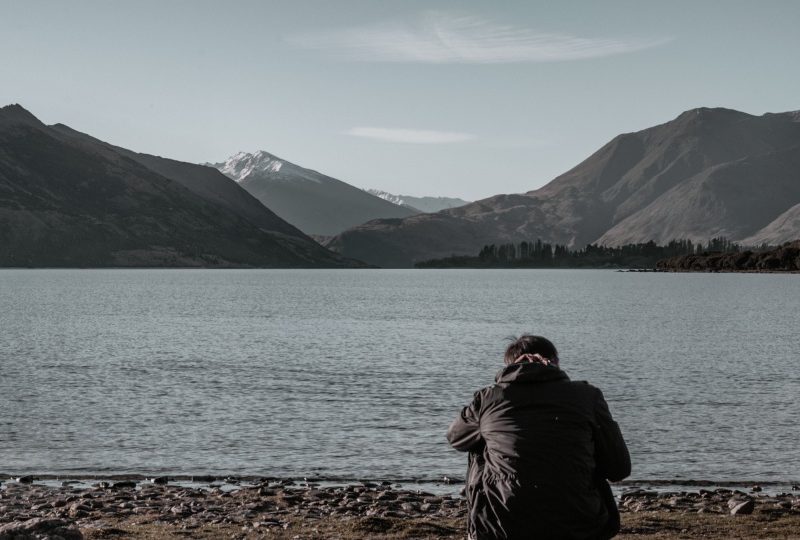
[[540, 449]]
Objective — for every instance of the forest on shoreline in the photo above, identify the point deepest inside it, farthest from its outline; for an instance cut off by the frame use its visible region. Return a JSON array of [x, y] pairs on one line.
[[539, 254], [785, 258], [717, 255]]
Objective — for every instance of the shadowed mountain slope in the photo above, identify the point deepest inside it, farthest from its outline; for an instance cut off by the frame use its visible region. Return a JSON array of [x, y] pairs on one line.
[[313, 202], [206, 182], [67, 199], [708, 172]]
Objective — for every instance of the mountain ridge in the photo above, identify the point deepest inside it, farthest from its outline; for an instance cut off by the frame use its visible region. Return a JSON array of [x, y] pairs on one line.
[[420, 204], [611, 196], [315, 203], [67, 199], [202, 180]]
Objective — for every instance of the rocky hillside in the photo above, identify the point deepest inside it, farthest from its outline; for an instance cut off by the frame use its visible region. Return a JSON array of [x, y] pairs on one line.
[[67, 199], [707, 173], [783, 229], [313, 202]]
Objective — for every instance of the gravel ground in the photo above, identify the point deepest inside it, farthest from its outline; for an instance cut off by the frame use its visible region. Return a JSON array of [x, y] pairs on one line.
[[285, 510]]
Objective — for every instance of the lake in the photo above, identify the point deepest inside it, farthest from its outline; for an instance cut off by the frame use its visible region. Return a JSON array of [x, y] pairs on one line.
[[356, 374]]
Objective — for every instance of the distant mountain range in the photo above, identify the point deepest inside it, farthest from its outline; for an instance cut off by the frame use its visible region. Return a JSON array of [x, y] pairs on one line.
[[67, 199], [707, 173], [313, 202], [420, 204]]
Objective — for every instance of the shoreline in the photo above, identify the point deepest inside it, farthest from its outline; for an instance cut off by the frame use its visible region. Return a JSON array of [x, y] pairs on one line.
[[287, 509], [442, 486], [444, 479], [236, 479]]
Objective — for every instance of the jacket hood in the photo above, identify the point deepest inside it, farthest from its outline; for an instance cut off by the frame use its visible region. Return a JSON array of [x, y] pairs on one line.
[[529, 372]]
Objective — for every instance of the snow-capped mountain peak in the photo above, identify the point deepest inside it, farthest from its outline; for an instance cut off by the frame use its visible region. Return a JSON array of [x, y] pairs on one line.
[[419, 204], [242, 164], [311, 201], [386, 196]]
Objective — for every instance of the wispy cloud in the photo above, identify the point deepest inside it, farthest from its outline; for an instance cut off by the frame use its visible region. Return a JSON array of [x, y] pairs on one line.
[[414, 136], [438, 39]]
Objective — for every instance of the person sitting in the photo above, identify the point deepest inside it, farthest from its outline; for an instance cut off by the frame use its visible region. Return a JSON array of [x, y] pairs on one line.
[[541, 448]]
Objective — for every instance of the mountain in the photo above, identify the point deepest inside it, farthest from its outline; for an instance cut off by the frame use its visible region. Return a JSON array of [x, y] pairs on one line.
[[314, 203], [785, 228], [707, 173], [67, 199], [421, 204], [399, 200]]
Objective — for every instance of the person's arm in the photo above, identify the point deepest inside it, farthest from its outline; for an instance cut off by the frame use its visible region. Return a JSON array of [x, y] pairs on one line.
[[464, 433], [611, 453]]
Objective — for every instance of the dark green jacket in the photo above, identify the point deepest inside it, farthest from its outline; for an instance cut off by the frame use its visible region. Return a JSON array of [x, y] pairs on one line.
[[540, 445]]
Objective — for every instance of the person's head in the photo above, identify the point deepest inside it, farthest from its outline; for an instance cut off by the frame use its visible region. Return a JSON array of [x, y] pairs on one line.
[[528, 344]]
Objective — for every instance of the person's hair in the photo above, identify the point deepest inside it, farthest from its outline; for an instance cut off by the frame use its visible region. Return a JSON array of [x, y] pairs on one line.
[[528, 344]]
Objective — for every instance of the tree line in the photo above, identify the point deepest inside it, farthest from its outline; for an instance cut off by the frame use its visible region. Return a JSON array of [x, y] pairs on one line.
[[539, 254]]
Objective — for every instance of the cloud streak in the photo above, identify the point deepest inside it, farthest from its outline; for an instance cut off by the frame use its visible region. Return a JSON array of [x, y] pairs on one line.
[[442, 39], [412, 136]]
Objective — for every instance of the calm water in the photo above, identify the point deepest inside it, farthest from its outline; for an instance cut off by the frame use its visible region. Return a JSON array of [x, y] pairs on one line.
[[357, 374]]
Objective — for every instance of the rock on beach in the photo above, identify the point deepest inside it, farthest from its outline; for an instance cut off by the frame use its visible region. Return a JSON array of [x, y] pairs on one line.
[[40, 529]]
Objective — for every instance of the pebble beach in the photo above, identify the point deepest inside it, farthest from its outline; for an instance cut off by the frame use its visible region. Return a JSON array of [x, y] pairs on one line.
[[270, 508]]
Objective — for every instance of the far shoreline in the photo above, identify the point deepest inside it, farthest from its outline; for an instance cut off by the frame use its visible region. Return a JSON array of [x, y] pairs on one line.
[[415, 269]]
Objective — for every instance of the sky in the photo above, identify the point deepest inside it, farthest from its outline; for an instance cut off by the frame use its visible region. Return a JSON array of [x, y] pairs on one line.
[[416, 97]]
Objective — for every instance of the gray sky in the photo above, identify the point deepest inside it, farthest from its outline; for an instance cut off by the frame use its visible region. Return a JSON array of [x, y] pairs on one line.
[[449, 98]]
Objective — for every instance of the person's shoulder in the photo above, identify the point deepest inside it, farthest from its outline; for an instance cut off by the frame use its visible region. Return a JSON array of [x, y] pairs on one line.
[[488, 389], [587, 387], [486, 393]]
